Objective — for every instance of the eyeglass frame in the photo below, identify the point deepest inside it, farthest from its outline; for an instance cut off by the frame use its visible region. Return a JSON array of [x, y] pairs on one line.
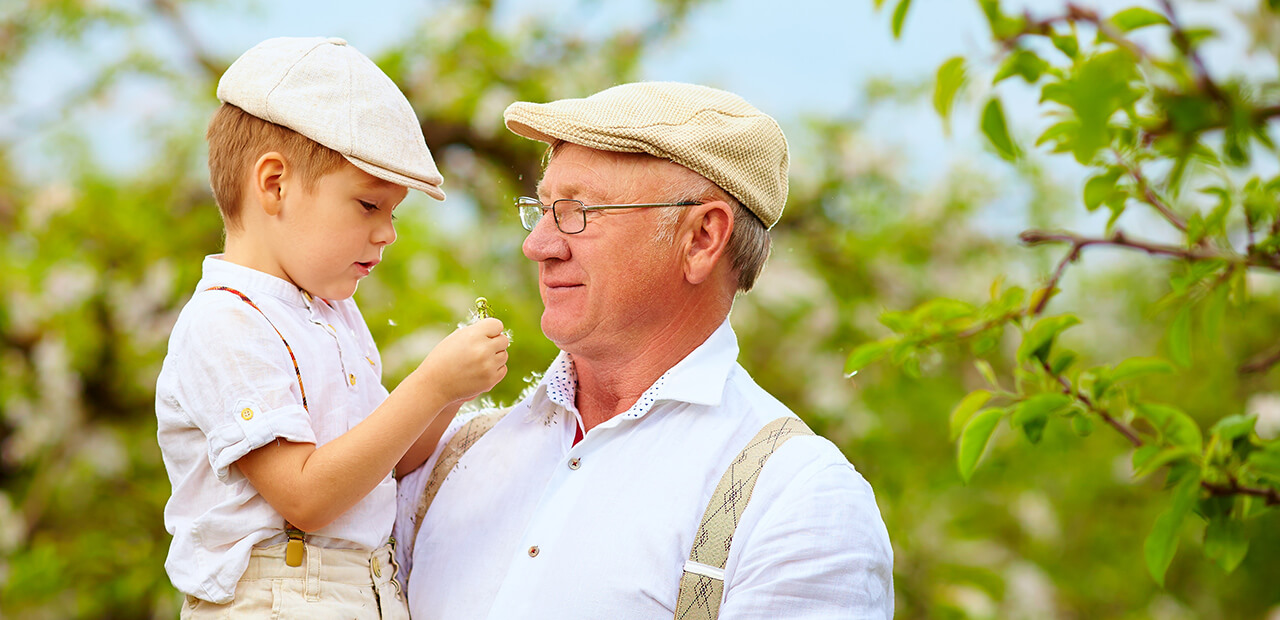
[[525, 203]]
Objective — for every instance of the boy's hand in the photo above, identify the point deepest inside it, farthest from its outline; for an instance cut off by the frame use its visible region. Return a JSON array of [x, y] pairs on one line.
[[467, 362]]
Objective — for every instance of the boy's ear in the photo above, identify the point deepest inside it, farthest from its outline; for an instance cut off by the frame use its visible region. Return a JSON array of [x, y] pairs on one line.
[[269, 175]]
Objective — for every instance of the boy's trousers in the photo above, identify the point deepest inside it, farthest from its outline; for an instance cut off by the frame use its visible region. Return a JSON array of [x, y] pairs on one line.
[[330, 584]]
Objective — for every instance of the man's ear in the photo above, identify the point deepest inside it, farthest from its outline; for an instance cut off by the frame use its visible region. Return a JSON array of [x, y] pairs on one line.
[[706, 233], [270, 173]]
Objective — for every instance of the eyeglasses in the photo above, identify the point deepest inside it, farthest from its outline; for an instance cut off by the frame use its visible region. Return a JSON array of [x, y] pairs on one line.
[[571, 215]]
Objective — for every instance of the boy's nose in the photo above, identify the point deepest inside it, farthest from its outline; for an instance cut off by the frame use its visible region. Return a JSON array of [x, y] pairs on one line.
[[385, 233]]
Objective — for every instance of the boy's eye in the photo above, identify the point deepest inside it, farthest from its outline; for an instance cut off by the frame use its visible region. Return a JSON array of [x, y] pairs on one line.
[[369, 206]]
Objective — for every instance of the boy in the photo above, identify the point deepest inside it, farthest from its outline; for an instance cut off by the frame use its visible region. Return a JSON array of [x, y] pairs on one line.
[[277, 435]]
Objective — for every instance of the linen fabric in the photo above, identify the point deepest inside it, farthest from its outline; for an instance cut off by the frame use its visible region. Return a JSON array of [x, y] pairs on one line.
[[227, 387], [331, 584], [326, 90], [528, 525], [709, 131]]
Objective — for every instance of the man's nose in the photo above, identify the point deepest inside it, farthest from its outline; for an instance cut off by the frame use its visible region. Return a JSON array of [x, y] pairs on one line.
[[545, 241]]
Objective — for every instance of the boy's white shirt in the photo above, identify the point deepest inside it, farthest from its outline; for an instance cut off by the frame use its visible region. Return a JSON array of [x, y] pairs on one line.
[[227, 387]]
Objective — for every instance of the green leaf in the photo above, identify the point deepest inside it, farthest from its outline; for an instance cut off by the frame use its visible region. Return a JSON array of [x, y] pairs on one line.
[[866, 353], [899, 16], [1032, 414], [1233, 427], [951, 77], [1024, 63], [1061, 362], [941, 309], [972, 402], [997, 132], [1225, 542], [1082, 424], [987, 372], [1099, 187], [1180, 337], [1039, 339], [1215, 308], [1175, 426], [1151, 457], [1097, 88], [1162, 541], [1066, 43], [1266, 462], [973, 439], [1137, 366], [1135, 18]]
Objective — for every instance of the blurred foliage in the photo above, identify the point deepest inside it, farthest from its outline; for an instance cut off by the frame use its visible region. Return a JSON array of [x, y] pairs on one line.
[[99, 262]]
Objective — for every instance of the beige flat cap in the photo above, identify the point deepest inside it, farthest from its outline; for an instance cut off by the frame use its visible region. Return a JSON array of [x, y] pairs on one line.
[[712, 132], [328, 91]]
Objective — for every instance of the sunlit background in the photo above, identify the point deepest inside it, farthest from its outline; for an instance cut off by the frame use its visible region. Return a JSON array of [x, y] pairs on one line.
[[106, 214]]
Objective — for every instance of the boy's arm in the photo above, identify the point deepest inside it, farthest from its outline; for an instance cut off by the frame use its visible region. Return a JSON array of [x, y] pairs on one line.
[[312, 486], [425, 446]]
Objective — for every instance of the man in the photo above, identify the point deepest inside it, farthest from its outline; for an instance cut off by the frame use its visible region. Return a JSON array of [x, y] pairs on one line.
[[588, 498]]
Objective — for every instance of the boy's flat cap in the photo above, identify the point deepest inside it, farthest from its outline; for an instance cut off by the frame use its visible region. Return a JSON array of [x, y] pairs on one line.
[[329, 92], [712, 132]]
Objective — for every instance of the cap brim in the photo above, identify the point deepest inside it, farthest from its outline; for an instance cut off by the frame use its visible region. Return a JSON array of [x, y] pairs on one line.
[[432, 190]]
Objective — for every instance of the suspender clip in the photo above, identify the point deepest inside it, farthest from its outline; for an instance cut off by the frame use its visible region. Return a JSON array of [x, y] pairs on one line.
[[293, 550]]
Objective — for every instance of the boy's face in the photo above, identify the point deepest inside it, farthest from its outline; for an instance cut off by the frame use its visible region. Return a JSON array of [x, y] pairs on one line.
[[332, 236]]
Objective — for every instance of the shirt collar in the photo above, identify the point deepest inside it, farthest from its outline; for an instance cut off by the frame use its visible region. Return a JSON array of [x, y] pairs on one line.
[[251, 282], [697, 379]]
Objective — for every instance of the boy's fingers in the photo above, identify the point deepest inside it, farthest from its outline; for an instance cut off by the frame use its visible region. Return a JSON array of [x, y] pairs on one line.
[[490, 327]]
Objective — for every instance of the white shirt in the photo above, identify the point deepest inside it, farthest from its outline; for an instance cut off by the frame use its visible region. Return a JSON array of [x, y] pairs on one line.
[[515, 532], [228, 386]]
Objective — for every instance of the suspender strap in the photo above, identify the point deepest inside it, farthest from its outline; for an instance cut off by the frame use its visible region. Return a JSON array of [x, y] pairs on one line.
[[467, 436], [294, 549], [296, 370], [702, 585]]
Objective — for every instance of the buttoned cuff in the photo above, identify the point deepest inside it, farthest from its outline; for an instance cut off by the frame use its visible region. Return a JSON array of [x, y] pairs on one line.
[[254, 428]]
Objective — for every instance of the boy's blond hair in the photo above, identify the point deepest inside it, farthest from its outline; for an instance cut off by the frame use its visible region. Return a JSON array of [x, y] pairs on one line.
[[237, 139]]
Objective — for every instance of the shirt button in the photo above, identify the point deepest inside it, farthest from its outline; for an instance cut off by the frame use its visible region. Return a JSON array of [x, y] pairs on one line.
[[575, 463], [533, 551], [246, 413], [352, 379]]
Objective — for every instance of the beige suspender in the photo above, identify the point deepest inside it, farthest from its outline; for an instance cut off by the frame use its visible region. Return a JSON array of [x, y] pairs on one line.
[[702, 585], [467, 436]]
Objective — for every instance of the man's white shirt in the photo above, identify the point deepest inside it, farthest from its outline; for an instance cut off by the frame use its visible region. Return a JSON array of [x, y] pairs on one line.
[[528, 525]]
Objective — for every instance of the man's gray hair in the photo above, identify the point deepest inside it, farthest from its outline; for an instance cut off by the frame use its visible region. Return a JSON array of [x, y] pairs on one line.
[[748, 248]]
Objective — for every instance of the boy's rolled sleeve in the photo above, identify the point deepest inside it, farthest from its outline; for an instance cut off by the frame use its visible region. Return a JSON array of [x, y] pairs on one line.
[[242, 386]]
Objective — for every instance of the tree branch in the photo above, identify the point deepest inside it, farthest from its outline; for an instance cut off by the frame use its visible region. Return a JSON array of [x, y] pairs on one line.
[[212, 67], [1204, 81], [1262, 362], [1150, 196], [1271, 496], [1070, 390], [1119, 239], [1052, 284]]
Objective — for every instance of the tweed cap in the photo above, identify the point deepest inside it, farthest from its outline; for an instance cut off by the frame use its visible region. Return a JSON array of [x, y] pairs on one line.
[[328, 91], [712, 132]]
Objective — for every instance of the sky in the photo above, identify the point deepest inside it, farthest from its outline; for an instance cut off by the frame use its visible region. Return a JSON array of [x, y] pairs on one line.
[[812, 59]]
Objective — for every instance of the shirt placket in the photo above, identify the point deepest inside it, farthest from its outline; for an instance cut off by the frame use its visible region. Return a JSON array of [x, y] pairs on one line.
[[317, 318]]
